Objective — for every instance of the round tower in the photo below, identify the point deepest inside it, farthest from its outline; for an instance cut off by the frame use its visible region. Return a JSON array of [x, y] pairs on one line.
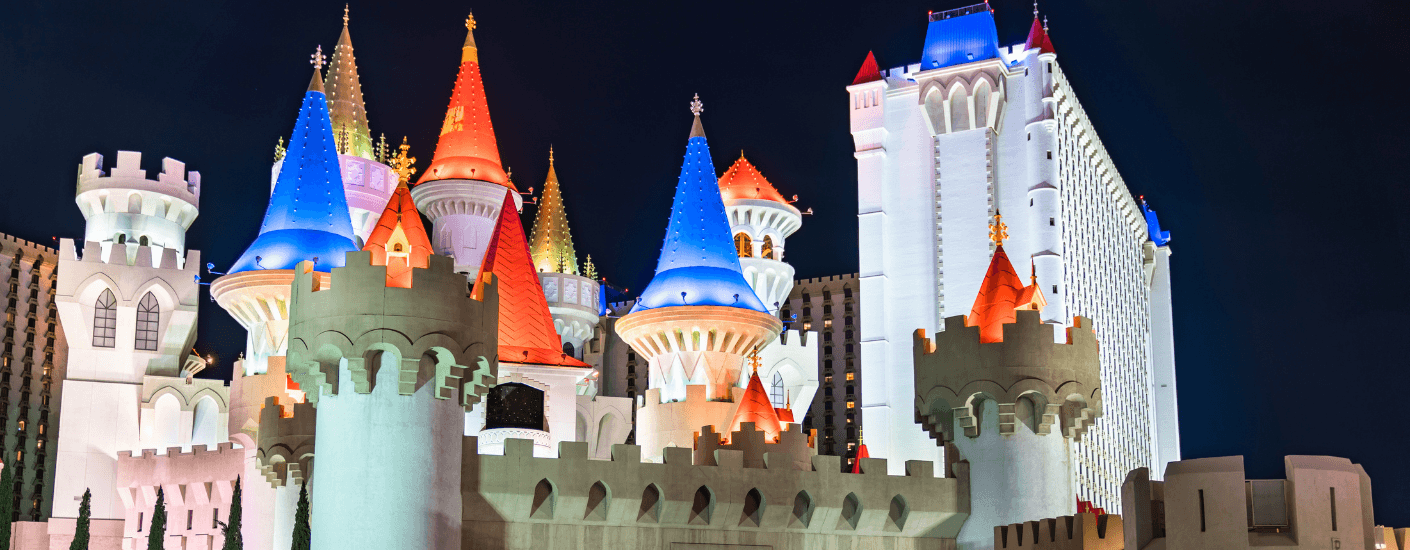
[[1002, 394], [465, 185], [1044, 195], [124, 207], [572, 294], [391, 372], [307, 219], [698, 318], [760, 219]]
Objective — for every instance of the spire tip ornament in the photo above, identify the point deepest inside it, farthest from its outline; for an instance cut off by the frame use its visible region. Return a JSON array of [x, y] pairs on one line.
[[696, 107], [754, 361], [345, 15], [317, 59], [402, 164], [998, 231], [470, 21]]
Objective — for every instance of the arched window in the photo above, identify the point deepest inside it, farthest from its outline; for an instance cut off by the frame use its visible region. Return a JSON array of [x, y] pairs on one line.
[[105, 320], [959, 110], [935, 107], [981, 104], [149, 313], [744, 246], [568, 349], [776, 391], [768, 253]]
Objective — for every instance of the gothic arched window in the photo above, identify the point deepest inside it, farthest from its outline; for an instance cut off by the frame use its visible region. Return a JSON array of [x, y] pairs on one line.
[[776, 394], [768, 248], [105, 320], [744, 246], [149, 313]]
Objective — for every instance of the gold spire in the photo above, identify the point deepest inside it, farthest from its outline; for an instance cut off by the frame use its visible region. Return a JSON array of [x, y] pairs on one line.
[[402, 164], [551, 242], [345, 106], [469, 53], [998, 231]]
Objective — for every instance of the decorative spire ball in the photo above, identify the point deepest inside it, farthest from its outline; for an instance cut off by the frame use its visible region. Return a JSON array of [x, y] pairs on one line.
[[317, 59], [998, 231]]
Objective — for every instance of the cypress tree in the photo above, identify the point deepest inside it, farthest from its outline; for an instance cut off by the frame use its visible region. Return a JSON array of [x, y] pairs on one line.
[[233, 539], [7, 503], [80, 533], [156, 536], [302, 533]]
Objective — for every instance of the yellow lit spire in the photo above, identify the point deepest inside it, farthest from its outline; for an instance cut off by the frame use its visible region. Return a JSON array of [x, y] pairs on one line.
[[345, 105], [550, 242]]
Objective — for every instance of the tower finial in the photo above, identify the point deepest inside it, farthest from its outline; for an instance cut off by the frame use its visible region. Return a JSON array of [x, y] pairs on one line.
[[696, 107], [754, 361], [998, 231], [1032, 272], [317, 59], [1045, 23], [550, 154], [1035, 9], [470, 21], [402, 164], [345, 15]]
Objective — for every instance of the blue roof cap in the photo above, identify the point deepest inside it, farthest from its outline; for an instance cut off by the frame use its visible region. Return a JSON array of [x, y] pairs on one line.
[[960, 36], [698, 265], [308, 211], [1160, 238]]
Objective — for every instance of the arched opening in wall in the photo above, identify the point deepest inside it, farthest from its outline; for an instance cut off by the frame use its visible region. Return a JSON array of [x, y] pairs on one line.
[[203, 423], [149, 314], [134, 203], [1028, 411], [544, 496], [702, 506], [776, 391], [981, 104], [582, 430], [896, 517], [121, 238], [606, 427], [568, 349], [166, 418], [768, 253], [802, 510], [959, 110], [514, 405], [599, 496], [650, 511], [851, 513], [935, 108], [143, 240], [753, 512], [105, 320], [743, 245]]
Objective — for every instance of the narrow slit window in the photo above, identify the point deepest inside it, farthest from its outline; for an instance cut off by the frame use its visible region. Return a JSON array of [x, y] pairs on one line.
[[1201, 511], [1334, 508]]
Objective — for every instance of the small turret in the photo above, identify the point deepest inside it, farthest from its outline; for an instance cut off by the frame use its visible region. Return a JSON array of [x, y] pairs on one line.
[[124, 207], [760, 219]]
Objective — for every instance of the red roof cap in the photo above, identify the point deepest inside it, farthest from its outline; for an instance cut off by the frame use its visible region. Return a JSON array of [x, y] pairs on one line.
[[999, 295], [399, 240], [857, 462], [743, 181], [869, 71], [526, 333], [756, 407], [1038, 38], [467, 148]]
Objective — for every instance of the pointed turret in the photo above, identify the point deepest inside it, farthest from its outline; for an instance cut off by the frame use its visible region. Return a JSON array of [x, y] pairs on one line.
[[743, 181], [526, 333], [399, 240], [551, 243], [869, 71], [467, 149], [755, 407], [1001, 293], [345, 106], [1038, 36], [307, 218], [698, 265]]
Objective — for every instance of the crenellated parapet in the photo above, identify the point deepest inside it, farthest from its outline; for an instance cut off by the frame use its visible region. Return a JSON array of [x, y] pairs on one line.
[[1033, 380], [123, 205], [755, 449], [199, 483], [435, 331], [516, 498], [1085, 531], [286, 438]]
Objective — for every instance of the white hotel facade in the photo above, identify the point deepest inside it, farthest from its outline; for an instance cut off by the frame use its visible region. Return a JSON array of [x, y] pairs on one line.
[[943, 145]]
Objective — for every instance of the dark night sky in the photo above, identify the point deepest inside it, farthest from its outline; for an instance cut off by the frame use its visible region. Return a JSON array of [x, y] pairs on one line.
[[1261, 130]]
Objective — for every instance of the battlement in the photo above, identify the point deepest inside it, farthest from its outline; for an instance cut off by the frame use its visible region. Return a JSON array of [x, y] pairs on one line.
[[845, 278], [131, 255], [174, 454], [8, 244], [128, 174], [436, 331], [754, 449], [286, 441], [1033, 380], [1081, 532], [722, 499]]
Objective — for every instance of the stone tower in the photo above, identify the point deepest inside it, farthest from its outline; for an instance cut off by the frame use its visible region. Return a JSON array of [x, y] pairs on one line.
[[760, 219], [127, 299], [465, 185], [698, 318], [998, 393], [391, 372]]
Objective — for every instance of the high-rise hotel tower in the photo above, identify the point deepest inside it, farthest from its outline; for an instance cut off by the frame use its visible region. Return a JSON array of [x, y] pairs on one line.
[[977, 129]]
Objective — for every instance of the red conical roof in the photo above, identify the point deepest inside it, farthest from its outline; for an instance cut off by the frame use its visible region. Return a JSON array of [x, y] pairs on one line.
[[743, 181], [467, 147], [1038, 38], [526, 333], [399, 240], [999, 295], [857, 462], [869, 71], [756, 407]]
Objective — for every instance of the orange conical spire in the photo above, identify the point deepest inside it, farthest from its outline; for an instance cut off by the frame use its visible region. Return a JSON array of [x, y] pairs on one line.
[[1001, 293], [467, 148], [399, 241], [756, 407]]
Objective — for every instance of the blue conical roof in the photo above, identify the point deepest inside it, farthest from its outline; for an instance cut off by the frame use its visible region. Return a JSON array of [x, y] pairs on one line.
[[698, 264], [308, 212]]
